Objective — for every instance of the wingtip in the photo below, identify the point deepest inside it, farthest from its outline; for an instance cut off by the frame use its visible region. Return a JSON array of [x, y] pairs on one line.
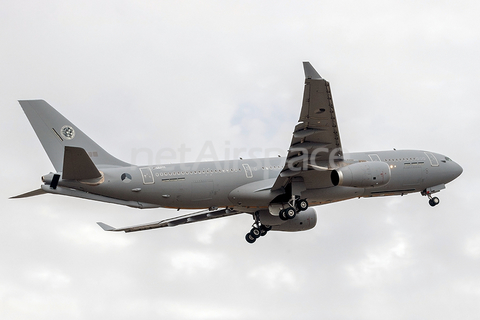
[[310, 72], [106, 227], [29, 194]]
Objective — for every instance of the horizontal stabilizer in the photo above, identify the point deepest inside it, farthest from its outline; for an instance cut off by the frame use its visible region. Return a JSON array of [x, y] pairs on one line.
[[106, 227], [77, 165], [29, 194]]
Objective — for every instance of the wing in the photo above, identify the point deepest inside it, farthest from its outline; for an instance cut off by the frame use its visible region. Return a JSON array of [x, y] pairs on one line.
[[172, 222], [316, 142]]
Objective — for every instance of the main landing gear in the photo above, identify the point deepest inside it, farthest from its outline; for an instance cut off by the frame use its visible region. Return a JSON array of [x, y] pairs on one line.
[[293, 209], [256, 233], [260, 230]]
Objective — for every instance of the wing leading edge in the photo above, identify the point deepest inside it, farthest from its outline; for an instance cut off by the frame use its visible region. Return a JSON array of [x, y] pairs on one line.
[[316, 139]]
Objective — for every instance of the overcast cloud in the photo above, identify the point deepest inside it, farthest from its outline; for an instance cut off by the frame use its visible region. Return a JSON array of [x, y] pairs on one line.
[[142, 77]]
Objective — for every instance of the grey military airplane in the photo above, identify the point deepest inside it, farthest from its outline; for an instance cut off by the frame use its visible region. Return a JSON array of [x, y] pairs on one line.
[[278, 192]]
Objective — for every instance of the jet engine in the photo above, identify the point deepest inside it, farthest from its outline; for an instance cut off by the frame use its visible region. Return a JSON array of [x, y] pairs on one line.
[[304, 220], [369, 174]]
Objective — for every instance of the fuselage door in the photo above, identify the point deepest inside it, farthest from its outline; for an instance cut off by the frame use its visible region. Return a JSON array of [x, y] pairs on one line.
[[413, 173], [433, 160], [248, 171], [147, 175], [374, 157]]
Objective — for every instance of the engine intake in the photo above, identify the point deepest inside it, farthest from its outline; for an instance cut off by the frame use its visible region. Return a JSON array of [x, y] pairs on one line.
[[369, 174]]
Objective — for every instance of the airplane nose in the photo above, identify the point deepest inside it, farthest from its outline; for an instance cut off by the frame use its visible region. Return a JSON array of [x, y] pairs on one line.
[[457, 170], [452, 170]]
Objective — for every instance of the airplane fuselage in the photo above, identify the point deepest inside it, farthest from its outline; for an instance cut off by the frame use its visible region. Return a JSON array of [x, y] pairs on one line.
[[247, 183]]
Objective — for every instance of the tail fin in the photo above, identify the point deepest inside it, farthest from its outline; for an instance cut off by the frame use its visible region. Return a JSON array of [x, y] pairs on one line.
[[55, 133]]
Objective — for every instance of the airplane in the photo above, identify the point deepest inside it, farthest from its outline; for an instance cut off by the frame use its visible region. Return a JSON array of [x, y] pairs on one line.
[[277, 192]]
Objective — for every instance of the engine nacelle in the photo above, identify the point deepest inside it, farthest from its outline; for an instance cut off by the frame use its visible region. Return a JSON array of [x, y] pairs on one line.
[[369, 174], [304, 220]]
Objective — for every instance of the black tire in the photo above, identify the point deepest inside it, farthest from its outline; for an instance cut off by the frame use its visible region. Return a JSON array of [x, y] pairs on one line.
[[283, 214], [263, 231], [250, 238], [431, 203], [290, 213], [256, 233], [302, 205]]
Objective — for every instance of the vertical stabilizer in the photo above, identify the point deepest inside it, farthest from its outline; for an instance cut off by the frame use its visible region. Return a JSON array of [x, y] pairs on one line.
[[55, 132]]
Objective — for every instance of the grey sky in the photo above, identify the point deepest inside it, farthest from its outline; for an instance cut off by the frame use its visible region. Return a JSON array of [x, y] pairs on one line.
[[159, 74]]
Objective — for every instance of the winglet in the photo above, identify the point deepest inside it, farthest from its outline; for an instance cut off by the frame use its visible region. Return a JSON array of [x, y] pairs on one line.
[[106, 227], [310, 72]]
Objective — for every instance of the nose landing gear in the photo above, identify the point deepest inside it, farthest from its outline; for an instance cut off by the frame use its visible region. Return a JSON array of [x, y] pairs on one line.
[[433, 201]]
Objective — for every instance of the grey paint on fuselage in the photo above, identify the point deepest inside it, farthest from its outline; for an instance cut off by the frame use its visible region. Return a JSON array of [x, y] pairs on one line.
[[213, 184]]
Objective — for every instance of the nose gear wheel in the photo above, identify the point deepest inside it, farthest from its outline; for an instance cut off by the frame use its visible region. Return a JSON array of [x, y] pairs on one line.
[[434, 201]]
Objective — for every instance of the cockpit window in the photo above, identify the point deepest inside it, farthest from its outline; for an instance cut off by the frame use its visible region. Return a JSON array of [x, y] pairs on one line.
[[448, 159]]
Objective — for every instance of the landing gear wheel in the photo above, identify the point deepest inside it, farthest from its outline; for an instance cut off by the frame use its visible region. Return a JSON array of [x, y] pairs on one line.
[[434, 201], [302, 205], [264, 230], [255, 232], [258, 229], [283, 214], [250, 238], [290, 213]]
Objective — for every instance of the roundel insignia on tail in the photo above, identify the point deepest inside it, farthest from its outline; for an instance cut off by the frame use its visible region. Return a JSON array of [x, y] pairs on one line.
[[68, 132]]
